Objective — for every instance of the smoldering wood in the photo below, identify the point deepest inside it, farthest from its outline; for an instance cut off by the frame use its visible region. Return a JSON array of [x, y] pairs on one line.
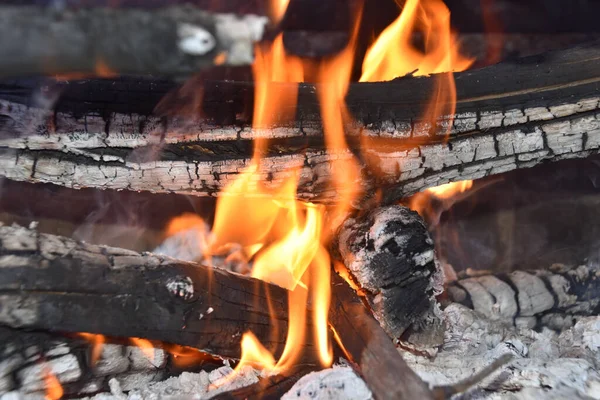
[[371, 350], [54, 283], [508, 116], [556, 297], [174, 41], [390, 255]]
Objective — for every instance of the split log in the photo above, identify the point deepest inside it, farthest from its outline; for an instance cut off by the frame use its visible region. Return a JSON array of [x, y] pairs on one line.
[[370, 348], [173, 41], [54, 283], [102, 134], [555, 298], [390, 255]]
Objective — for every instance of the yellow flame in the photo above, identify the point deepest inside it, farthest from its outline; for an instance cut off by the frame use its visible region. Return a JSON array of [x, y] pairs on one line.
[[394, 54], [421, 202]]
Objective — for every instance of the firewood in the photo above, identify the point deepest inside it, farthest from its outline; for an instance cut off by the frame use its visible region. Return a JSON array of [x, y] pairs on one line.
[[173, 41], [371, 349], [102, 134], [555, 298], [390, 255], [54, 283]]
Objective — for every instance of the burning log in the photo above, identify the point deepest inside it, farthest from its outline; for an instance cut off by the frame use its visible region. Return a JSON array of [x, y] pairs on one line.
[[173, 41], [507, 117], [54, 283]]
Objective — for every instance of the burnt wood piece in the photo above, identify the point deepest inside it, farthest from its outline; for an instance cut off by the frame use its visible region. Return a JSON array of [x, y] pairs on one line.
[[54, 283], [102, 134], [390, 255], [555, 298], [371, 350], [174, 41]]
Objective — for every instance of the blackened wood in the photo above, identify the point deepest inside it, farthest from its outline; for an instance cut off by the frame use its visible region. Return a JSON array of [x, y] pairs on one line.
[[509, 116], [99, 41], [376, 358], [390, 256], [54, 283]]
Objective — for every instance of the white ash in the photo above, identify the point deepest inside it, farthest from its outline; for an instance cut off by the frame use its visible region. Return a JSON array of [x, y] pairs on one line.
[[192, 386], [545, 363], [339, 382]]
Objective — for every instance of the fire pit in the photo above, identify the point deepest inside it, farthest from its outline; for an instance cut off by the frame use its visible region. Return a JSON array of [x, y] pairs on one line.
[[316, 225]]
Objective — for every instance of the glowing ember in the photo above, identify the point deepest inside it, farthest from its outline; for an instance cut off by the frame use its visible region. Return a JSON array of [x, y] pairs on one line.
[[54, 390]]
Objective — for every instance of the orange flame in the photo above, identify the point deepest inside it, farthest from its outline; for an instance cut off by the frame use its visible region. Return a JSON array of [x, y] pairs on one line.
[[394, 54], [97, 342], [421, 202], [54, 390]]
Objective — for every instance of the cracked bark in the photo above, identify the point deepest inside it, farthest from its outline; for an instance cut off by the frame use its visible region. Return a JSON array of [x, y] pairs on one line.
[[103, 134]]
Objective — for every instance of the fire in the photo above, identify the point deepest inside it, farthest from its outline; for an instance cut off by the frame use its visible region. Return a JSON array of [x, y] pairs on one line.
[[421, 202], [54, 390], [450, 189], [185, 357], [394, 54]]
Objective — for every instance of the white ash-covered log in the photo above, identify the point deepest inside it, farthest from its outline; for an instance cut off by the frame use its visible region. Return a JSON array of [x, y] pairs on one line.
[[555, 297], [508, 116]]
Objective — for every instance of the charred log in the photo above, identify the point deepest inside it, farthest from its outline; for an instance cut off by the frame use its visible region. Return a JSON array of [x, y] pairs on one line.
[[174, 41], [54, 283], [390, 255], [508, 116]]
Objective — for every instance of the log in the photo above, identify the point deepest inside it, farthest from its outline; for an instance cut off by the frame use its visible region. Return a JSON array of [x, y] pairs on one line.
[[102, 134], [371, 350], [172, 41], [390, 255], [556, 297], [53, 283]]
